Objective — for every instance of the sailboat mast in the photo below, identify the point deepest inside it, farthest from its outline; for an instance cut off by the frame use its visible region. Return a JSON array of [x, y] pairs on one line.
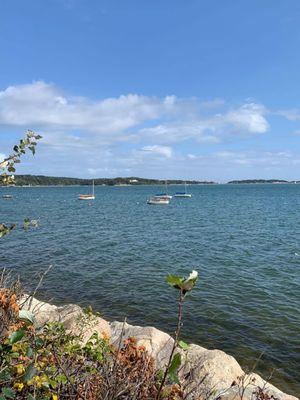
[[93, 187]]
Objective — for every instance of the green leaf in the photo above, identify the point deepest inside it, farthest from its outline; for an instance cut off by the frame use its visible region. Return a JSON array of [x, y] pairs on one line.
[[183, 345], [8, 393], [53, 383], [190, 281], [29, 352], [26, 223], [39, 342], [32, 148], [30, 397], [11, 169], [61, 378], [174, 280], [29, 373], [175, 364], [16, 336], [184, 284]]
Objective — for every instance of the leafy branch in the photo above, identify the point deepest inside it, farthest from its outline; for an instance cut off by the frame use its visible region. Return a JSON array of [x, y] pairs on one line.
[[8, 168], [184, 285]]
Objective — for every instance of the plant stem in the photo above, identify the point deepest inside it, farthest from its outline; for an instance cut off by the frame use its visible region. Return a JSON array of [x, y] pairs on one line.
[[177, 335]]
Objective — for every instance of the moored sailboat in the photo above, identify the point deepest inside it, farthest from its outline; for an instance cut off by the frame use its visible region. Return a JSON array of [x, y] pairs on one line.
[[183, 194], [165, 195], [158, 200], [88, 196]]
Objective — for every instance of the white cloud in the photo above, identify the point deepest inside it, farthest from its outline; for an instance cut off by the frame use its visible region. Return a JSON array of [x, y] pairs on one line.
[[164, 151], [44, 105], [292, 115], [251, 158], [83, 136], [247, 118]]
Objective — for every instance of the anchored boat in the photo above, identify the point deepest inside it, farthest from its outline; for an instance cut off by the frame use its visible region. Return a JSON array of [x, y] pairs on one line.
[[183, 194], [158, 200], [166, 195], [88, 196]]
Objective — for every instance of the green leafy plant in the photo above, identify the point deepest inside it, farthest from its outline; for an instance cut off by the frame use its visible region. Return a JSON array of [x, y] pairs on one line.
[[8, 168], [183, 285]]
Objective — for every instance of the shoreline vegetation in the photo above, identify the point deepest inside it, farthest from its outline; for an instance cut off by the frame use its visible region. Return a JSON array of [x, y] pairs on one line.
[[42, 180], [51, 352]]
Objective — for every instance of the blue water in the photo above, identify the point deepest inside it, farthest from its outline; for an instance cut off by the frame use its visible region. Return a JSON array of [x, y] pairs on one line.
[[115, 254]]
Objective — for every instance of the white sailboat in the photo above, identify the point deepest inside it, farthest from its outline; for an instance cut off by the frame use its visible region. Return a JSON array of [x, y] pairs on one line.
[[164, 195], [88, 196], [183, 194], [156, 200]]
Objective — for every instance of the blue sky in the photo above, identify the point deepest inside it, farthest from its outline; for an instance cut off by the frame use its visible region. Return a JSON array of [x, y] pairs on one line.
[[168, 89]]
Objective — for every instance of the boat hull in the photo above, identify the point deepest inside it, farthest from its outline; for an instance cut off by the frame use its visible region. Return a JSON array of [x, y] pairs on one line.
[[183, 195], [158, 201], [164, 196], [86, 197]]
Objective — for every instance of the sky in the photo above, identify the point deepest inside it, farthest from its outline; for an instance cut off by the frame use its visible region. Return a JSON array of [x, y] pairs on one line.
[[185, 89]]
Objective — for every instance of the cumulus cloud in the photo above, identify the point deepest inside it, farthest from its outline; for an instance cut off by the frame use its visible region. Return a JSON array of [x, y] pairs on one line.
[[247, 118], [92, 131], [46, 106]]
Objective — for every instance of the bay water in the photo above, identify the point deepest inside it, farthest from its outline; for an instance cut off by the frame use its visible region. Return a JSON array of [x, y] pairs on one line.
[[115, 252]]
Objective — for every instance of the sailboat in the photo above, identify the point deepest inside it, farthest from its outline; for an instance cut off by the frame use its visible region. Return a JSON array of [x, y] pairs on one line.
[[183, 194], [157, 200], [165, 195], [88, 196]]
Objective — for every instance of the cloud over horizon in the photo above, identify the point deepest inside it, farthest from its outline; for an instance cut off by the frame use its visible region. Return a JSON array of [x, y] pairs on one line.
[[128, 133]]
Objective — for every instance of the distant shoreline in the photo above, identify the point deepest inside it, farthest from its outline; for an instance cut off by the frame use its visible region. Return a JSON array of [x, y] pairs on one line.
[[53, 181]]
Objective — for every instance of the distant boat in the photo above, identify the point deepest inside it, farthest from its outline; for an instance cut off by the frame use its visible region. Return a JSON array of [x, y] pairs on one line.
[[88, 196], [165, 195], [7, 196], [183, 194], [157, 200]]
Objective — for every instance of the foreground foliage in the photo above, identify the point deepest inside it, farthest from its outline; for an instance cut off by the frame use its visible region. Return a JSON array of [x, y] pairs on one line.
[[8, 168], [50, 363]]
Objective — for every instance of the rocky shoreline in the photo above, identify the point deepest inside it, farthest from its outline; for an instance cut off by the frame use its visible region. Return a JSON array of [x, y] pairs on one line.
[[206, 373]]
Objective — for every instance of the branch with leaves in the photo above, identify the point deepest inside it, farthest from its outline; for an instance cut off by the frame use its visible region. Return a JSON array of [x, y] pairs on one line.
[[8, 168], [184, 285]]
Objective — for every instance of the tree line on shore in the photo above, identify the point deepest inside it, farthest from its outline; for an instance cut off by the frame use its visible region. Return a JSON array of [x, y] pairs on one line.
[[41, 180]]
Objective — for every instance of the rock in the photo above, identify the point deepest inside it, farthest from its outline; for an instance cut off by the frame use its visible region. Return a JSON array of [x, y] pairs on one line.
[[70, 315], [209, 371], [255, 381], [251, 392], [158, 344], [84, 326], [209, 374], [43, 312]]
